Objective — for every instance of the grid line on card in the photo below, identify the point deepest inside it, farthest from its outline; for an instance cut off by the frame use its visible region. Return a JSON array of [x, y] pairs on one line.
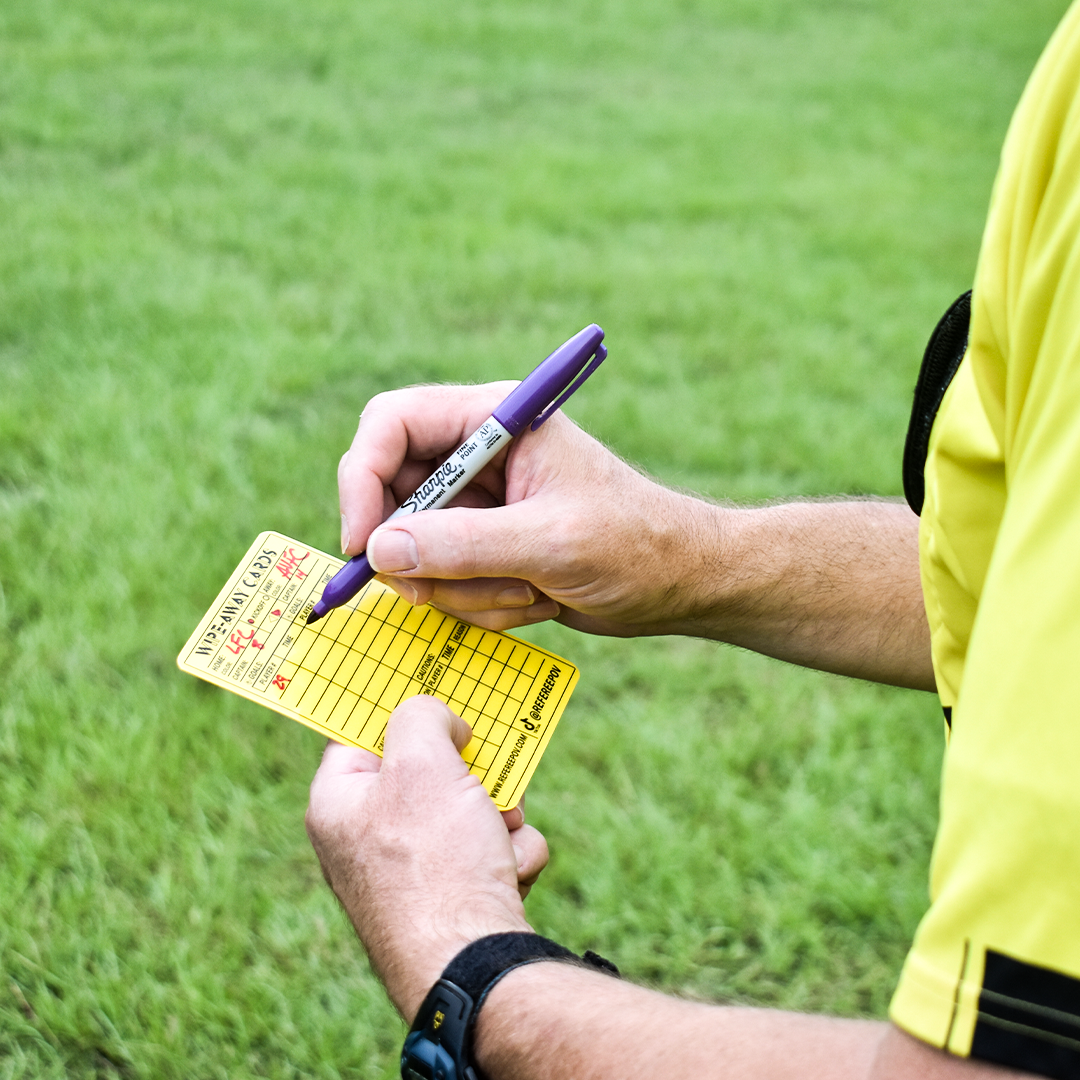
[[301, 665], [336, 640], [414, 635], [300, 661], [493, 718], [516, 670], [466, 702], [288, 657], [342, 686], [368, 704], [419, 633], [316, 635], [490, 687]]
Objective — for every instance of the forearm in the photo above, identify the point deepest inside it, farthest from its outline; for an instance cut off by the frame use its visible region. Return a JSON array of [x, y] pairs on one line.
[[551, 1021], [833, 586]]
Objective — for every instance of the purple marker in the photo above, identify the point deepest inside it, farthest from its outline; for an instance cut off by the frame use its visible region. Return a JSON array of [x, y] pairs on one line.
[[529, 404]]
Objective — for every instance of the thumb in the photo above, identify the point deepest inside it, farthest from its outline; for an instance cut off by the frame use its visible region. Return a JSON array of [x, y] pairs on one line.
[[461, 542], [423, 733]]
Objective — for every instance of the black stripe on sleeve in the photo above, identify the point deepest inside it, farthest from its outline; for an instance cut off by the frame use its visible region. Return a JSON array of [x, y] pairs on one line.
[[1029, 1018]]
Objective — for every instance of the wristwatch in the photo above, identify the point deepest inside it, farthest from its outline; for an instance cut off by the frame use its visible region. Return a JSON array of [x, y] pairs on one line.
[[439, 1043]]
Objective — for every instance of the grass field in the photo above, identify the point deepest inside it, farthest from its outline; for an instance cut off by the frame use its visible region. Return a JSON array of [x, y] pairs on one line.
[[223, 227]]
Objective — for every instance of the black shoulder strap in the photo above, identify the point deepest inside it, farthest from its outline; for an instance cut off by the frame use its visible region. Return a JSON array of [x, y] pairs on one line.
[[944, 351]]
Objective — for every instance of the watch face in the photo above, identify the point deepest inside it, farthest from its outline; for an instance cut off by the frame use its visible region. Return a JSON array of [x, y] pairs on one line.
[[425, 1060], [433, 1047]]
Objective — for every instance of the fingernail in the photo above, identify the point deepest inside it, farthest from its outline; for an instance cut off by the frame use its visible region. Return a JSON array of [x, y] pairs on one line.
[[405, 590], [539, 612], [346, 536], [520, 856], [391, 550], [516, 596]]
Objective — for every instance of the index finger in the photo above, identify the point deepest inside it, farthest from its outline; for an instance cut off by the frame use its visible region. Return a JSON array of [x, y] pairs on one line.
[[341, 760], [401, 436]]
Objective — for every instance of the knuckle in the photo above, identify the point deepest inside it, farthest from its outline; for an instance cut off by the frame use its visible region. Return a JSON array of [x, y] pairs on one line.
[[379, 401], [452, 545], [562, 541], [420, 704]]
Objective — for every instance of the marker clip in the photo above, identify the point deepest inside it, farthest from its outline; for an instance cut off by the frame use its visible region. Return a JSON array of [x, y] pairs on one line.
[[594, 362]]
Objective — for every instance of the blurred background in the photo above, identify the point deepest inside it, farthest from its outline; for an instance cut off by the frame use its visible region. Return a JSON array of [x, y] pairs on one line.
[[223, 227]]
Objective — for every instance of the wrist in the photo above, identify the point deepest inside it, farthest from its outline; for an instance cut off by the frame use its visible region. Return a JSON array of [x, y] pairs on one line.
[[439, 1045], [409, 957], [687, 562], [412, 934], [422, 967]]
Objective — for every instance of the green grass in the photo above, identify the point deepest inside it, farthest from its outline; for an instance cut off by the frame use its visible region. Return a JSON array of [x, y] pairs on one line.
[[222, 228]]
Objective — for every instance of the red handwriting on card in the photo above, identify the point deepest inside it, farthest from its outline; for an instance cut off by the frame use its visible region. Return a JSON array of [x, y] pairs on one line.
[[238, 640], [289, 564], [280, 682]]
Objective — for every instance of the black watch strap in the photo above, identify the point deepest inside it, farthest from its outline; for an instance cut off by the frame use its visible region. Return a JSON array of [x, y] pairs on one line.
[[481, 962], [440, 1040]]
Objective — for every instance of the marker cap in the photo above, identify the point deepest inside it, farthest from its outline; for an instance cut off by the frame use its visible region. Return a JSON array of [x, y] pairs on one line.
[[552, 381]]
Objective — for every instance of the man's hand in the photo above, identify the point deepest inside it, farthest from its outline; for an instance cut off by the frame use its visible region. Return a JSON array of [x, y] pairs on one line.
[[415, 849], [565, 523]]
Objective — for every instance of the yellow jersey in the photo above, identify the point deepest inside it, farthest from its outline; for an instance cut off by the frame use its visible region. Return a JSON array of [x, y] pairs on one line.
[[994, 971]]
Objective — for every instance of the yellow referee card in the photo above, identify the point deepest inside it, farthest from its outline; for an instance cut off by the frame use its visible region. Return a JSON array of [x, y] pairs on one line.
[[346, 673]]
